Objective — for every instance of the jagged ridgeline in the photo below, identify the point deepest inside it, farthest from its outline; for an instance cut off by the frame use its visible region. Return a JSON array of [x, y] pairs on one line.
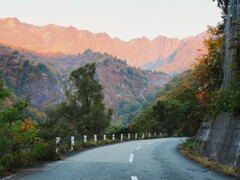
[[126, 89]]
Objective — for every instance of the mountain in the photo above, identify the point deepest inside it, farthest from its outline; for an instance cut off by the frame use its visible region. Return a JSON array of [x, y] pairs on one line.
[[181, 59], [25, 78], [126, 89], [170, 55]]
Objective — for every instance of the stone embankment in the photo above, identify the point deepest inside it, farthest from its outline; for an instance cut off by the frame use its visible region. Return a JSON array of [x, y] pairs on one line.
[[219, 140]]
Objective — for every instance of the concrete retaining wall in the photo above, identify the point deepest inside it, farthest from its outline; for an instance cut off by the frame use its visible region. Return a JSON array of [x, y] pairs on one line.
[[220, 140]]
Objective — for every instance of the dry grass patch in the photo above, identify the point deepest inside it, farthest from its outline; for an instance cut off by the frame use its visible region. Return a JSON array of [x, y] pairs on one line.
[[186, 150]]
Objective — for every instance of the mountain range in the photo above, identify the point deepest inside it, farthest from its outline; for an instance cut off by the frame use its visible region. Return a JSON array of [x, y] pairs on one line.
[[170, 55]]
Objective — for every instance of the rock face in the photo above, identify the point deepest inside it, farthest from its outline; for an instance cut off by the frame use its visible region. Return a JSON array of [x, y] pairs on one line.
[[170, 55], [220, 140], [44, 91]]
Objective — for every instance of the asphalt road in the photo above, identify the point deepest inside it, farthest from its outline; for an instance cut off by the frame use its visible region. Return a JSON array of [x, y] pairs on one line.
[[155, 159]]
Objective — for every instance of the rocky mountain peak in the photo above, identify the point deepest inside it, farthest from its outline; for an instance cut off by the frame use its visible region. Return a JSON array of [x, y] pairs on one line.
[[138, 52]]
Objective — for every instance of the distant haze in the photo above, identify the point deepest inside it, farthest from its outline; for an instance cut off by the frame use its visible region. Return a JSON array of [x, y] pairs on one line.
[[125, 19]]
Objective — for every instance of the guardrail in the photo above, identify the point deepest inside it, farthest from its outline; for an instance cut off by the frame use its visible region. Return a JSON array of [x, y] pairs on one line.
[[113, 137]]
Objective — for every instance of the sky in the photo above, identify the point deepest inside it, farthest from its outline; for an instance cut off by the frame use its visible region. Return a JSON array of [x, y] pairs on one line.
[[125, 19]]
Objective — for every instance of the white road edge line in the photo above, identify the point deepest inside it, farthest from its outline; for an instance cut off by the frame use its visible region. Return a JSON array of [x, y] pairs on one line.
[[9, 177], [131, 158], [134, 178], [138, 148]]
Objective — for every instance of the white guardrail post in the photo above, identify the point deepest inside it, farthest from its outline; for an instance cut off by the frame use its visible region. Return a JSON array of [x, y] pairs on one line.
[[149, 135], [95, 138], [142, 135], [121, 137], [113, 137], [129, 136], [85, 138], [104, 137], [72, 142], [58, 139], [135, 135]]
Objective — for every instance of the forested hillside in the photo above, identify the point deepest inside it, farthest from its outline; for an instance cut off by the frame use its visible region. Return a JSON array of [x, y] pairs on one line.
[[126, 89], [26, 78]]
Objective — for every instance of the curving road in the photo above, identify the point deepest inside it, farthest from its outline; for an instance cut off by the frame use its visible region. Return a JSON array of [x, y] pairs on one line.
[[155, 159]]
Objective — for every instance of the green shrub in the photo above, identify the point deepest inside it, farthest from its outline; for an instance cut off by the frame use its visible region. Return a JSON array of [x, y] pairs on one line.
[[50, 152], [90, 144], [63, 148], [189, 144], [225, 101], [39, 151], [6, 163], [22, 157], [78, 145]]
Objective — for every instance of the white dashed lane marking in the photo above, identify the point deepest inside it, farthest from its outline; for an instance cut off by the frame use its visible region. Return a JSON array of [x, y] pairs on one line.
[[131, 158], [138, 148], [134, 178]]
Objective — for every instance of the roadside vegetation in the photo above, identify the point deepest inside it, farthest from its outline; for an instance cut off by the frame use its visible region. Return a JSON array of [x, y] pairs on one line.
[[23, 141], [20, 143], [187, 150]]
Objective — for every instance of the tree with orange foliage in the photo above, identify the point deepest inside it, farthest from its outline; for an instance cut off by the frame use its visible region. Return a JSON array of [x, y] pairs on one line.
[[25, 131], [208, 68]]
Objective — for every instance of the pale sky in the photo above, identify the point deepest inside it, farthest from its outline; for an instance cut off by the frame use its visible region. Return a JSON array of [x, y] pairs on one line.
[[125, 19]]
